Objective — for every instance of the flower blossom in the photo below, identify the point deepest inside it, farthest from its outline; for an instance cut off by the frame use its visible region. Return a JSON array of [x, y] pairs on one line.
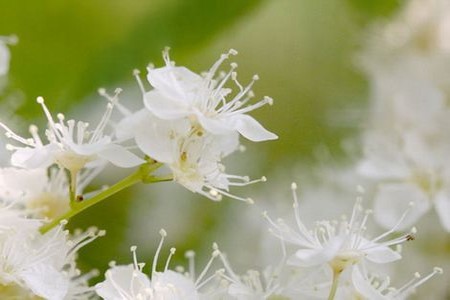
[[129, 282], [188, 124], [182, 94], [338, 245], [4, 53], [70, 144], [41, 192], [43, 265], [376, 288], [406, 144]]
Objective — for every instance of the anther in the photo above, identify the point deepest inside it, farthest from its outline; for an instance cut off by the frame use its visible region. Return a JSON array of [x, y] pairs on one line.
[[40, 100], [189, 254], [33, 129], [163, 233]]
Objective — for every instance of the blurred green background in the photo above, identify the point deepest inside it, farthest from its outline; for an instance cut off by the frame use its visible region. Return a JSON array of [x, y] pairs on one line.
[[303, 51]]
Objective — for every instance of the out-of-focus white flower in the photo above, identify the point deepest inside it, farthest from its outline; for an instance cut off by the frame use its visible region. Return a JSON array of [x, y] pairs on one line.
[[4, 53], [12, 219], [182, 94], [409, 167], [44, 265], [337, 244], [376, 288], [40, 192], [129, 282], [406, 146]]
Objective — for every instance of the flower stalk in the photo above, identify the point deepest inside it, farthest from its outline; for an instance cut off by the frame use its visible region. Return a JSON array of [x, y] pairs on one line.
[[142, 174], [335, 284]]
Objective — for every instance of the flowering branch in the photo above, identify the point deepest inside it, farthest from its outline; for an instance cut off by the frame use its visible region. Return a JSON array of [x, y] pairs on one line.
[[142, 174]]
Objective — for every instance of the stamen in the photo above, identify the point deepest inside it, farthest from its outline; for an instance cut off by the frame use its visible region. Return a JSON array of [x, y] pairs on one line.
[[172, 252], [135, 262], [190, 255], [136, 74], [163, 234]]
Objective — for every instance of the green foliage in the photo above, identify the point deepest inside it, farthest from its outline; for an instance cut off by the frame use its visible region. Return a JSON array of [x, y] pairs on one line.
[[68, 49], [369, 9]]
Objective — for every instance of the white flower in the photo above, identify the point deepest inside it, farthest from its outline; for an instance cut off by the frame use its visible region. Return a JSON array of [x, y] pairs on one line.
[[130, 283], [408, 169], [44, 264], [378, 288], [4, 53], [337, 244], [406, 146], [13, 220], [41, 192], [182, 94], [71, 144], [193, 155]]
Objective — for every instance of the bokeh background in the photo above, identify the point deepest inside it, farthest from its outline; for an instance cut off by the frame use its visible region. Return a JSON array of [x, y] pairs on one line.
[[304, 52]]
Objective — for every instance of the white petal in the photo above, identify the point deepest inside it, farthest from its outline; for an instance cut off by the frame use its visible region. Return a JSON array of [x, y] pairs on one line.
[[315, 257], [251, 129], [33, 158], [157, 138], [393, 200], [46, 282], [121, 282], [120, 157], [226, 143], [177, 83], [214, 125], [383, 158], [382, 255], [126, 127], [442, 204], [164, 107], [173, 285], [364, 287]]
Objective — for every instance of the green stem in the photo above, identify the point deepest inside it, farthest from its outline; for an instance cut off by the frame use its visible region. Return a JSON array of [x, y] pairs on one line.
[[143, 174], [72, 187], [335, 284]]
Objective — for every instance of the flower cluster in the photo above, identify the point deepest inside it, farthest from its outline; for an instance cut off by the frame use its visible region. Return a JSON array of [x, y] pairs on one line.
[[40, 265], [333, 261], [129, 281], [407, 143], [191, 122]]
